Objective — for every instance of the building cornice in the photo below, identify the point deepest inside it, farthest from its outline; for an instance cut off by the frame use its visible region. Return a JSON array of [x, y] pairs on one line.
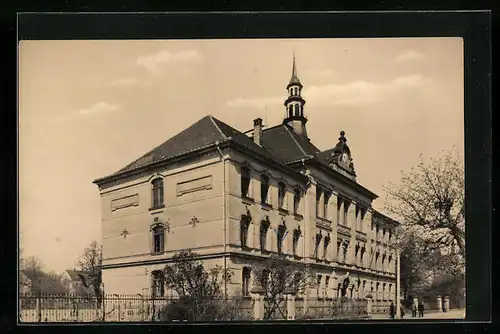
[[227, 143], [338, 176]]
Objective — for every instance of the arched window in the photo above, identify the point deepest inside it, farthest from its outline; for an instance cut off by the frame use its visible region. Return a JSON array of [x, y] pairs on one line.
[[158, 239], [157, 284], [245, 281], [297, 111], [157, 193], [245, 181], [281, 195]]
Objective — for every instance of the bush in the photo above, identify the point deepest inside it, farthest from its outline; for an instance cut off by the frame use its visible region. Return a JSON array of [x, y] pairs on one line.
[[187, 308]]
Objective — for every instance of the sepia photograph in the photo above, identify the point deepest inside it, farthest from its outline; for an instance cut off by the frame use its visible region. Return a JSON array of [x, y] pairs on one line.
[[205, 180]]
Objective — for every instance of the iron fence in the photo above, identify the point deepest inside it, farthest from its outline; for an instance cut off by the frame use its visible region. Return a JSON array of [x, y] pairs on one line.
[[116, 308]]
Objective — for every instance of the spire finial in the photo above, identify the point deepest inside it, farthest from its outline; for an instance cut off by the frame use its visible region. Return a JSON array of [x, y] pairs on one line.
[[294, 80], [342, 136]]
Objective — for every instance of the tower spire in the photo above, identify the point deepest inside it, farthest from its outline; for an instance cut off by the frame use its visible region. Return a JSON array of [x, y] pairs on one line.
[[295, 103], [294, 80]]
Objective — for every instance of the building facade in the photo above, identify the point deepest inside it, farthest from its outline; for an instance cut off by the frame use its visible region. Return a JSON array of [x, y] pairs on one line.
[[236, 198]]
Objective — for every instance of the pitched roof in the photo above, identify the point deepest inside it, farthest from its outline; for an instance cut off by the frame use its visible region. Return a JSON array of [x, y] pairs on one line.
[[205, 132], [76, 275], [286, 145]]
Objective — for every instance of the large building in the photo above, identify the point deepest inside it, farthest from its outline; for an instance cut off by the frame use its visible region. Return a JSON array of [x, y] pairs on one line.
[[236, 198]]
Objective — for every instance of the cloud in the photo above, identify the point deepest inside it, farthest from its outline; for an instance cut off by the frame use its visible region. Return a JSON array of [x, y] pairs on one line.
[[409, 56], [97, 108], [352, 93], [361, 92], [155, 61], [124, 82]]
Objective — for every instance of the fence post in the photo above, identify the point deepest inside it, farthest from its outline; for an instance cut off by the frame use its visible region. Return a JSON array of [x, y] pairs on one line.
[[439, 303], [258, 311], [369, 302], [290, 306], [446, 304], [38, 309]]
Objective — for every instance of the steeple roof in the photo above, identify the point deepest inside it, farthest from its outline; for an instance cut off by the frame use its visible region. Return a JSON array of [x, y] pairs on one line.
[[294, 80]]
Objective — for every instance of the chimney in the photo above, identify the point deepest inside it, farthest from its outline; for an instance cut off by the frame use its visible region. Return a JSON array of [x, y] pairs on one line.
[[257, 130]]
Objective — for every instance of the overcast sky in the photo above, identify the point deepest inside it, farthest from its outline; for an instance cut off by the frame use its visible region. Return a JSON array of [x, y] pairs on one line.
[[88, 108]]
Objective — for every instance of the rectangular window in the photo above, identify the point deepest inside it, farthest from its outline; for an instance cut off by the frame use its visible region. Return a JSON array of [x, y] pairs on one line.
[[264, 189], [158, 239], [158, 285], [339, 206], [245, 181], [296, 200], [346, 210], [157, 193], [318, 198], [246, 281], [281, 195], [326, 198]]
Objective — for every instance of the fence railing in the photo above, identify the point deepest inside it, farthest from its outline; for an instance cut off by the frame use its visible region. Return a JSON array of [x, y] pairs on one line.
[[145, 308]]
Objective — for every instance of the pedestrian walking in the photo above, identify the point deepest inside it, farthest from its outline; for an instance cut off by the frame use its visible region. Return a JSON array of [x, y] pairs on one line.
[[421, 310], [402, 310], [392, 310], [414, 310]]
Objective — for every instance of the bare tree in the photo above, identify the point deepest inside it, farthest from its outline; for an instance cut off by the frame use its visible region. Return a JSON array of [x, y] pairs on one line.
[[431, 198], [276, 277], [90, 265]]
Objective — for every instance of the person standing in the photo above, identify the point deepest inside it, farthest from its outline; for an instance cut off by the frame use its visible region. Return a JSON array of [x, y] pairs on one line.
[[392, 310], [414, 310], [421, 310]]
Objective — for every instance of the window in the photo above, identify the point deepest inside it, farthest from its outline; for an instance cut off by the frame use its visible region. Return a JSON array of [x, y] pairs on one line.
[[245, 279], [264, 188], [326, 198], [383, 292], [327, 283], [281, 195], [297, 112], [345, 253], [383, 233], [296, 235], [157, 284], [264, 226], [296, 200], [358, 218], [346, 210], [319, 236], [339, 249], [157, 193], [390, 235], [245, 223], [245, 181], [318, 285], [356, 251], [264, 279], [339, 206], [280, 236], [158, 239], [318, 198], [326, 242]]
